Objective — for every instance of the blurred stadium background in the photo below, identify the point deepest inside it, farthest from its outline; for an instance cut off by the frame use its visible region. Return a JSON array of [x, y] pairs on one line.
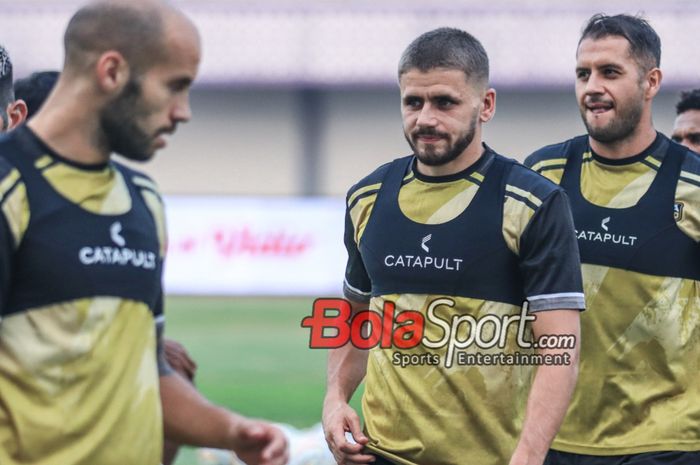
[[296, 101]]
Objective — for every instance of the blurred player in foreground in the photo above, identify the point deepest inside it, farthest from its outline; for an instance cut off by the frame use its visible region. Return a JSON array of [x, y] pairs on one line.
[[34, 90], [458, 231], [82, 369], [635, 197]]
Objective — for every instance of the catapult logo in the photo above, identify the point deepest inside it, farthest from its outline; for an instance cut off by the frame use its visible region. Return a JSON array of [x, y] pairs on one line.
[[115, 232], [120, 255], [424, 243], [605, 236], [423, 261]]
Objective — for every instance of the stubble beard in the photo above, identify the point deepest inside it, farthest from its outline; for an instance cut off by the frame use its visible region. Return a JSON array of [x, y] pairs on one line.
[[619, 128], [121, 132], [431, 156]]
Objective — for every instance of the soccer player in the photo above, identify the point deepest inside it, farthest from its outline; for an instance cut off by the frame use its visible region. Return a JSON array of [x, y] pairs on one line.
[[686, 128], [454, 231], [34, 90], [12, 111], [82, 370], [635, 198]]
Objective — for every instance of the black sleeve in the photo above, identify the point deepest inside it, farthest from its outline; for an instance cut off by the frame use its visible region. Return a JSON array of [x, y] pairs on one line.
[[164, 368], [357, 285], [549, 257]]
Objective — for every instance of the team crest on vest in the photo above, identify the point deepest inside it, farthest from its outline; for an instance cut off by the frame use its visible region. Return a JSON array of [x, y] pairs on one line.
[[678, 211]]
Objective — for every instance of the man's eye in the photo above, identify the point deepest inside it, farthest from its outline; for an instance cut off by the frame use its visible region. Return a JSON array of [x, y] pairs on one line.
[[179, 85], [412, 102]]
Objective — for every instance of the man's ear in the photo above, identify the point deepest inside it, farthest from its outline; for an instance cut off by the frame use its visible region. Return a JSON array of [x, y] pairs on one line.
[[16, 113], [653, 81], [488, 108], [112, 72]]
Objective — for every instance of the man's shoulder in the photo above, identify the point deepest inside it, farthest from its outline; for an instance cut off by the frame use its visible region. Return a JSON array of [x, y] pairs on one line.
[[553, 154], [138, 178], [687, 199], [550, 160], [525, 185], [368, 185], [8, 147], [523, 180], [525, 194], [690, 169], [9, 174]]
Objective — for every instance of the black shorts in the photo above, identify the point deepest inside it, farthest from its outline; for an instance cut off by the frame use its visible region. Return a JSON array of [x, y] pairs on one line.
[[381, 460], [556, 457]]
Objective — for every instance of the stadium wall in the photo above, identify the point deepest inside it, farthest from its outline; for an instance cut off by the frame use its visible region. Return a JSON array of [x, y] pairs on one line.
[[249, 141]]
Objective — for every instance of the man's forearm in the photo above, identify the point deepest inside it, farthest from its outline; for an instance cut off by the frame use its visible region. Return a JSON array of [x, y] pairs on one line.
[[546, 407], [346, 369], [189, 418], [551, 389]]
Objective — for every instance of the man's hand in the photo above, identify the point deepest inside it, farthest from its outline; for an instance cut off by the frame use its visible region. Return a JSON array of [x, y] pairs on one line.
[[339, 417], [179, 359], [188, 418], [259, 443]]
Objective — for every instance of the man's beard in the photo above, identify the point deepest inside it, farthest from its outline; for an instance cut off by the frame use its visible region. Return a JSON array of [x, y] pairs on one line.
[[431, 156], [120, 130], [620, 128]]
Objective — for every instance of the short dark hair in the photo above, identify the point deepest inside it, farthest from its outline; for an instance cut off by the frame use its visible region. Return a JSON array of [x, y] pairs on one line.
[[449, 48], [7, 95], [135, 32], [35, 88], [690, 100], [645, 44]]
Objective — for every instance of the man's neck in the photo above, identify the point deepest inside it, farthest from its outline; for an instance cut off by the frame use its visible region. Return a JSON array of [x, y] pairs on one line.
[[627, 147], [70, 133]]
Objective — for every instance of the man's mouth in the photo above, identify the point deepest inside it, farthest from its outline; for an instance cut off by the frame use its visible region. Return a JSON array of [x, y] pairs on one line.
[[598, 108], [429, 138]]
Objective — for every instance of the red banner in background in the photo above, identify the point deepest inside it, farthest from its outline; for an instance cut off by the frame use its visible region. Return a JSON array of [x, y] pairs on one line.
[[254, 246]]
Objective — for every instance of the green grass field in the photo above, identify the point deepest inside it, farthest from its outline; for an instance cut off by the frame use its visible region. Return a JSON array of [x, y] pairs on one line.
[[252, 356]]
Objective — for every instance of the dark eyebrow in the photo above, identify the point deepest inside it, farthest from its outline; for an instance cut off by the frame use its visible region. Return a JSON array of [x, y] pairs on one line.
[[446, 96], [610, 65]]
